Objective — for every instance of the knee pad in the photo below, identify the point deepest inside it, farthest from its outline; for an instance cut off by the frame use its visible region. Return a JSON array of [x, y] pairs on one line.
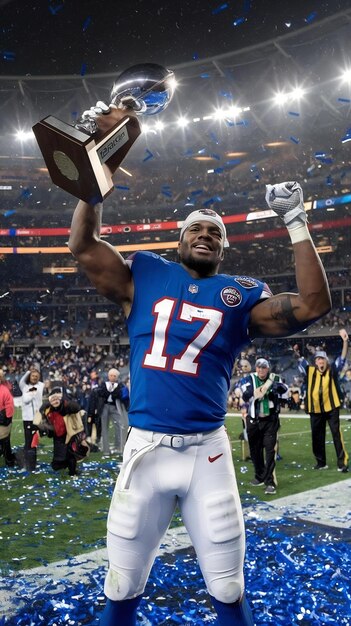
[[223, 517], [226, 590], [117, 586]]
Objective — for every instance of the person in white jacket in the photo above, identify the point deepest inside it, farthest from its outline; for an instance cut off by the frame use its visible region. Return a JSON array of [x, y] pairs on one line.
[[32, 399]]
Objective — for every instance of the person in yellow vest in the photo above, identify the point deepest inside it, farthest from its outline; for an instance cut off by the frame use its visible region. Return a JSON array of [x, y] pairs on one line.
[[323, 401]]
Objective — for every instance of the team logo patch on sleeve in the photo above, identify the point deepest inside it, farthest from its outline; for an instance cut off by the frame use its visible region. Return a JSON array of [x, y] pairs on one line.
[[231, 296], [247, 282]]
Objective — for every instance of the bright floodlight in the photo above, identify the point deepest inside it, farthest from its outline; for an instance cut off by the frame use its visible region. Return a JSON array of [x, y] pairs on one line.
[[297, 93], [219, 114], [24, 135], [182, 122], [346, 75], [280, 98], [159, 125], [228, 113], [174, 83]]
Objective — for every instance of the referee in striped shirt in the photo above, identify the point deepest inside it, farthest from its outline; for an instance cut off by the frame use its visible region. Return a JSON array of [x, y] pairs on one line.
[[323, 400]]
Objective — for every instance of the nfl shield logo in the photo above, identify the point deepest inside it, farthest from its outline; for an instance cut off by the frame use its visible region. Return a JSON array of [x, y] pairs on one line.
[[193, 288]]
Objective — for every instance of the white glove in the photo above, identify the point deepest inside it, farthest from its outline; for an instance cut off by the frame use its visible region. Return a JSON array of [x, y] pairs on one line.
[[88, 122], [286, 200], [99, 109]]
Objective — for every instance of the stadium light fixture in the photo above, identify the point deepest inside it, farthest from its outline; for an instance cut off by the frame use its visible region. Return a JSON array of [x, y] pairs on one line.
[[24, 135], [280, 98], [182, 122], [297, 93], [346, 75], [173, 83]]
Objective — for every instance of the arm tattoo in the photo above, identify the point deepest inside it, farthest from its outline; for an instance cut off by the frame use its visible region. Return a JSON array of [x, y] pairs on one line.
[[282, 310]]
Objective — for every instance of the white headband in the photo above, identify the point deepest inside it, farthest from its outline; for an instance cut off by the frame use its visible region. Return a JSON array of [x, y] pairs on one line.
[[205, 215]]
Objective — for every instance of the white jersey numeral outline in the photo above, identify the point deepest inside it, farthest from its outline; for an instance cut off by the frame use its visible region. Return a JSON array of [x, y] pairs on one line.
[[187, 362]]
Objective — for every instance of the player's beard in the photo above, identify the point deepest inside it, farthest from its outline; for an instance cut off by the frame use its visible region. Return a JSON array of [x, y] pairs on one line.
[[203, 267]]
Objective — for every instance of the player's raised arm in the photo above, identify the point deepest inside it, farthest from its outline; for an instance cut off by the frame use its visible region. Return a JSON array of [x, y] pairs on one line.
[[287, 313], [105, 267]]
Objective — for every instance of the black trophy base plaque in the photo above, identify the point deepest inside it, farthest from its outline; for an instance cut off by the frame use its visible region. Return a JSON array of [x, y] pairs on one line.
[[79, 162]]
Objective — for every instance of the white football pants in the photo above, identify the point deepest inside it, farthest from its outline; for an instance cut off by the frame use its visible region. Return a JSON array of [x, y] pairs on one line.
[[197, 473]]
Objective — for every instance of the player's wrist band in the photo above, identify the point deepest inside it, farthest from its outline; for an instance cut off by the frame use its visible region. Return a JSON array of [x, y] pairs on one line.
[[299, 233]]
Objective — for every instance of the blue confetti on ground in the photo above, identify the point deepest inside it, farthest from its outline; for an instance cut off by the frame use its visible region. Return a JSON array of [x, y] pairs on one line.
[[297, 574]]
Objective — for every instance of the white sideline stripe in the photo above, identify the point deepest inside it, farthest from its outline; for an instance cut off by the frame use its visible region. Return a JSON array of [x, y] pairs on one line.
[[76, 569], [302, 415], [329, 505]]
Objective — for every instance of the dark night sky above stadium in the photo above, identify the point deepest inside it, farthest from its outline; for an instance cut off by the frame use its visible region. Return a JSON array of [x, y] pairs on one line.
[[40, 37]]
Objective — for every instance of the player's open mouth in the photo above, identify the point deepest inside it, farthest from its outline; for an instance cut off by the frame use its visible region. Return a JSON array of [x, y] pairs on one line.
[[202, 246]]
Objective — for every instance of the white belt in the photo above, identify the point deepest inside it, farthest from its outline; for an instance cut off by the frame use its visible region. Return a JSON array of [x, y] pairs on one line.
[[180, 441], [156, 439]]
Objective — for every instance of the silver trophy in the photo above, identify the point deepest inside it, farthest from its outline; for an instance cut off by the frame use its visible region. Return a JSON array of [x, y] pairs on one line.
[[79, 158]]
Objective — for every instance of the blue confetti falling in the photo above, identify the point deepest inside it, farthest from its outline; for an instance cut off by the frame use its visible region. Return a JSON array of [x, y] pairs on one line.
[[122, 187], [8, 55], [83, 69], [166, 191], [226, 94], [212, 201], [247, 6], [219, 9], [86, 23], [239, 21], [148, 155], [345, 100], [213, 137], [294, 113], [232, 162], [347, 136], [294, 139], [311, 17], [55, 8], [25, 193]]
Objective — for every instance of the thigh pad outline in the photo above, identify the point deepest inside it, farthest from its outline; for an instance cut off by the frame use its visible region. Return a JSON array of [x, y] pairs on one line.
[[224, 521], [127, 514]]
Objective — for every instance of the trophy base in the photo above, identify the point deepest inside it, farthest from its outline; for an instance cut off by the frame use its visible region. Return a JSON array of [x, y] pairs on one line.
[[80, 163]]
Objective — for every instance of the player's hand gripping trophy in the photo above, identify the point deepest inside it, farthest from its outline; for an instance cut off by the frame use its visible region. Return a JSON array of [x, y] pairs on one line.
[[82, 158]]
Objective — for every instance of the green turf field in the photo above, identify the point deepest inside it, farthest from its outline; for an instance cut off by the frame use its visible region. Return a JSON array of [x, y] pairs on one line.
[[47, 516]]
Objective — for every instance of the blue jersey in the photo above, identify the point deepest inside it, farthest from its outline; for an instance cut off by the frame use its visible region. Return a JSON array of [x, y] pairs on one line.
[[185, 334]]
